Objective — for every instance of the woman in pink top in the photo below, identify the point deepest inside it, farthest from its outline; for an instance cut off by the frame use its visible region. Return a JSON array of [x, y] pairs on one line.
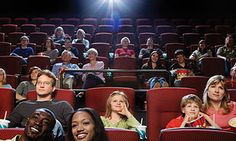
[[92, 79], [217, 103], [124, 50]]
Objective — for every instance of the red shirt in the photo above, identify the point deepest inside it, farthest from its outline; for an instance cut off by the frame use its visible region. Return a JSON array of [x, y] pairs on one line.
[[199, 122], [124, 52]]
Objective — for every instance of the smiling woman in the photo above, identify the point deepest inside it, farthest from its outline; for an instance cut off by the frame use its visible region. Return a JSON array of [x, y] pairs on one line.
[[85, 124], [217, 103]]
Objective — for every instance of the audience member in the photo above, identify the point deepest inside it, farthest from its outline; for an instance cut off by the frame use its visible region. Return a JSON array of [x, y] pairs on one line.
[[200, 52], [3, 79], [146, 52], [227, 52], [192, 116], [217, 103], [85, 124], [27, 85], [92, 79], [68, 77], [117, 112], [155, 63], [39, 126], [45, 87], [68, 46], [24, 51], [124, 50], [50, 50], [181, 68], [233, 73], [59, 35], [80, 38]]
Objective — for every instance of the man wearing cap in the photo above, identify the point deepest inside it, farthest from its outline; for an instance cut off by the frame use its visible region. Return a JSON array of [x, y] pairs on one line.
[[23, 50]]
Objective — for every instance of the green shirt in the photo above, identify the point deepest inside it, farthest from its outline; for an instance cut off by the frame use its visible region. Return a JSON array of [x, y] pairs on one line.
[[131, 123]]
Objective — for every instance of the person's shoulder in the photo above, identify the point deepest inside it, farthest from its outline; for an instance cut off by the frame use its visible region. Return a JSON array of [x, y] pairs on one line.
[[61, 102], [100, 62]]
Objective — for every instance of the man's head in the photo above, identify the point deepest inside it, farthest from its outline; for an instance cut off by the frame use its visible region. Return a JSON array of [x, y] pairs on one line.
[[24, 41], [45, 85], [66, 56], [40, 124], [179, 55]]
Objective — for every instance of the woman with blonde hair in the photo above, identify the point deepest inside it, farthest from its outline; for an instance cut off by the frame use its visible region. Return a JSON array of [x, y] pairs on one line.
[[3, 79], [117, 113], [217, 103]]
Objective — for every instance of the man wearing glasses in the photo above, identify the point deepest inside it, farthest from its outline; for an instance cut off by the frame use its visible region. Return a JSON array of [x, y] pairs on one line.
[[45, 85]]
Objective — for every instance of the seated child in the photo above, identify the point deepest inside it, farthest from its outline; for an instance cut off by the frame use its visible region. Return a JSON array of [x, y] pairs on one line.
[[192, 117]]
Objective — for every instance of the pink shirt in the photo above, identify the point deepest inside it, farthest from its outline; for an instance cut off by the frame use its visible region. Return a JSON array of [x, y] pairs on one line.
[[99, 66], [220, 119]]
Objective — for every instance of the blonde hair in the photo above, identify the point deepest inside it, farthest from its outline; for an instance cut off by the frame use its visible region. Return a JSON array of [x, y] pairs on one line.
[[216, 79], [81, 31], [93, 50], [108, 103], [4, 81]]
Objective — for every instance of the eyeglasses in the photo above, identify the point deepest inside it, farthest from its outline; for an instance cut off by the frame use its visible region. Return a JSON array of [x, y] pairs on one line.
[[43, 83]]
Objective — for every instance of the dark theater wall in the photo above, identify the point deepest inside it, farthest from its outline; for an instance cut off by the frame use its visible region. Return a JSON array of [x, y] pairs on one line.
[[145, 8]]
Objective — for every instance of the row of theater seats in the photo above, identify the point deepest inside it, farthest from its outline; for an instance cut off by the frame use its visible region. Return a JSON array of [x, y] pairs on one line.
[[158, 112], [181, 134]]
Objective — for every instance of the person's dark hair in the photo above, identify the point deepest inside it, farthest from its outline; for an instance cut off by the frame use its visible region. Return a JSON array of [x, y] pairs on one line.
[[179, 52], [149, 62], [32, 69], [100, 134], [49, 74], [52, 43], [68, 38]]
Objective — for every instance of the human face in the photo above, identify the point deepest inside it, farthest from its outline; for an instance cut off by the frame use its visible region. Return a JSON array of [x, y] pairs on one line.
[[216, 92], [180, 58], [66, 57], [80, 35], [149, 42], [44, 86], [24, 42], [125, 43], [117, 103], [92, 56], [191, 110], [68, 44], [154, 57], [38, 124], [48, 43], [229, 41], [34, 74], [202, 45], [83, 128]]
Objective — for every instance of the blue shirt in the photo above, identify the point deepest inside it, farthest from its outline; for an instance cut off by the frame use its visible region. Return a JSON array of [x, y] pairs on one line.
[[25, 53], [56, 67]]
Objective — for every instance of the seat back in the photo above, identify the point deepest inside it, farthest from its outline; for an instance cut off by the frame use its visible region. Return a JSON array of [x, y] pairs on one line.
[[96, 97], [42, 62], [13, 80], [58, 94], [121, 135], [232, 93], [11, 64], [9, 133], [163, 104], [208, 66], [196, 82], [7, 101], [196, 134]]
